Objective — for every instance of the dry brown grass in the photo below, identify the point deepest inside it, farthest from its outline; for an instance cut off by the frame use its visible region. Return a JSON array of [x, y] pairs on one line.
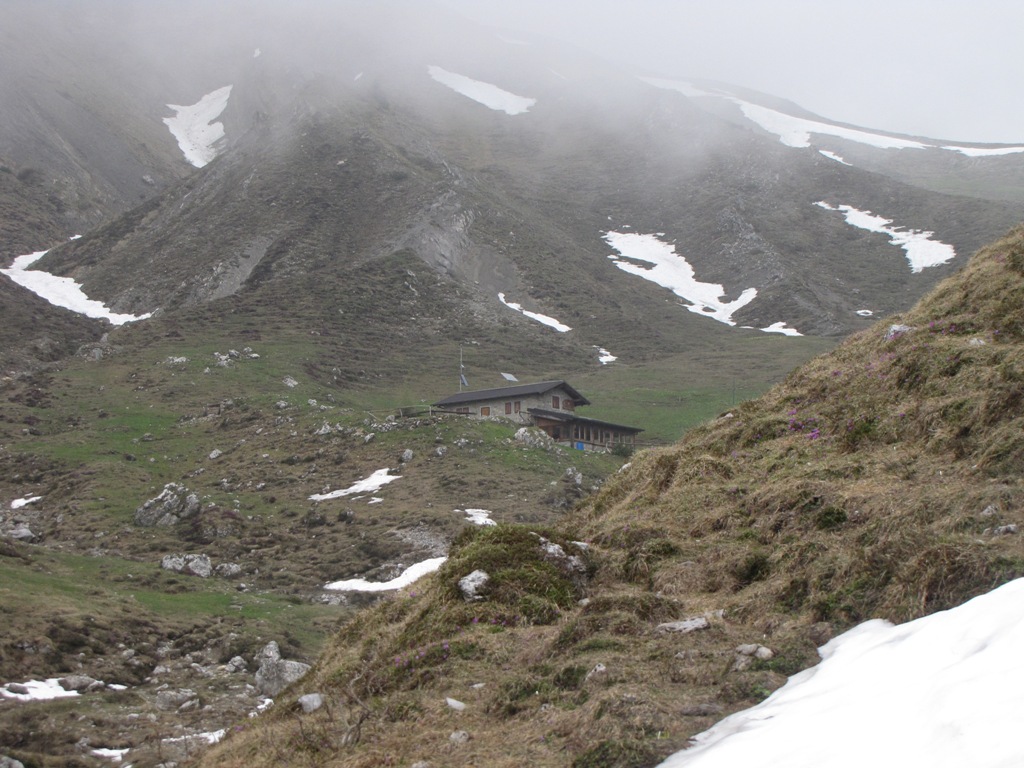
[[876, 481]]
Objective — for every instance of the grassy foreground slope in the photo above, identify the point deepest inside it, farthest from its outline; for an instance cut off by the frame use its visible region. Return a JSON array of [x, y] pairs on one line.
[[882, 479]]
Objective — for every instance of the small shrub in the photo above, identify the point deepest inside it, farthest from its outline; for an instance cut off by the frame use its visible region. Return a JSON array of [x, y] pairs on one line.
[[600, 644], [664, 471], [857, 431], [575, 633], [516, 562], [518, 695], [755, 567], [829, 517], [400, 709], [623, 450], [570, 678], [617, 754], [646, 606], [794, 594], [641, 559], [1015, 257], [537, 610]]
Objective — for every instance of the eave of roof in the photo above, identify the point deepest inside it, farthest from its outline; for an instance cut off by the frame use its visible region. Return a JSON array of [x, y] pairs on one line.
[[538, 388], [565, 416]]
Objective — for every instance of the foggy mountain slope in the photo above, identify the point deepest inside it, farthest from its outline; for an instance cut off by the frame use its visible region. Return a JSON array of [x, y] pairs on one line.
[[338, 170], [81, 123], [340, 146]]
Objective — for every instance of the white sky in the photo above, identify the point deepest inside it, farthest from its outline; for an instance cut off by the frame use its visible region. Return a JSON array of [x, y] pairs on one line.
[[946, 69]]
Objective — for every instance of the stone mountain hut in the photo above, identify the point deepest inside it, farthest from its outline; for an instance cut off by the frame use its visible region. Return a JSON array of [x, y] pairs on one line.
[[548, 405]]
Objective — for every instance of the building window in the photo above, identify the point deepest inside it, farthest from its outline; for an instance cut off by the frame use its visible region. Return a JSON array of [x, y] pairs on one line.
[[518, 405], [463, 409], [568, 404], [485, 410], [508, 408], [554, 402]]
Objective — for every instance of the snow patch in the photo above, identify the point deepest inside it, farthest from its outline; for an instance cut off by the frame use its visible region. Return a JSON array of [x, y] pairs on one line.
[[117, 755], [781, 327], [921, 250], [38, 690], [490, 96], [796, 131], [670, 270], [210, 737], [983, 151], [194, 128], [374, 482], [19, 503], [833, 156], [62, 291], [478, 516], [604, 356], [404, 579], [942, 691], [548, 321]]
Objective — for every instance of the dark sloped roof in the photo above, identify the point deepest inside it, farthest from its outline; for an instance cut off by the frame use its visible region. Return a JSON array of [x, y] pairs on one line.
[[517, 391], [574, 419]]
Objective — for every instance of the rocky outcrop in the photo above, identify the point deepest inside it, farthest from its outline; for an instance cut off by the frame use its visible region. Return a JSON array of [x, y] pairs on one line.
[[532, 437], [174, 504], [80, 683], [275, 674], [685, 626], [196, 565], [472, 585], [173, 699]]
